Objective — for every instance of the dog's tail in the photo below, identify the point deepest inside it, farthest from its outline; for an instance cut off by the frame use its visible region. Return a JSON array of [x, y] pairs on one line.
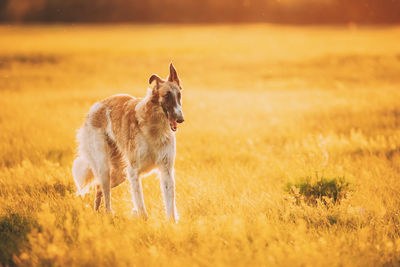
[[83, 175]]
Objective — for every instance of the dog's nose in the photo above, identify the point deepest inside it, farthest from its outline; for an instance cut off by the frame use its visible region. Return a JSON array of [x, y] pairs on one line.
[[180, 120]]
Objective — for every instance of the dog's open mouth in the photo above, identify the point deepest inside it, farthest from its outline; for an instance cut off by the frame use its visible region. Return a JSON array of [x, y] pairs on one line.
[[172, 123]]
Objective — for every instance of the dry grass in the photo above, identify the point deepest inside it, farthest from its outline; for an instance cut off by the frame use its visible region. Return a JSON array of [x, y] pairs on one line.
[[264, 106]]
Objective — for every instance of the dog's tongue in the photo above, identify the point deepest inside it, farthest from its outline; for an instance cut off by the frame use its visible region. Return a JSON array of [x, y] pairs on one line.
[[173, 123]]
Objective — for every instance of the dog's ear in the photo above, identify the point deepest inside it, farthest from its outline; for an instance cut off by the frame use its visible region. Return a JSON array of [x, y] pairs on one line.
[[173, 75], [156, 78]]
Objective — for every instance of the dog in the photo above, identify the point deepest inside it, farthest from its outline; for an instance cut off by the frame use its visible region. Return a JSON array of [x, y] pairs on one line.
[[125, 137]]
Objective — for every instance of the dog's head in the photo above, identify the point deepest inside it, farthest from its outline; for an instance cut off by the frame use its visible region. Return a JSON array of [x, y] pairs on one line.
[[168, 94]]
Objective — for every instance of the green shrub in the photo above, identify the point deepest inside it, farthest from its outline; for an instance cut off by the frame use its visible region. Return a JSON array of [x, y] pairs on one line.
[[321, 188]]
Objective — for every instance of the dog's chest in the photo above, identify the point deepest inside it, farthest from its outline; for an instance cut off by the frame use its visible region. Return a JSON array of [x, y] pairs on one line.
[[152, 152]]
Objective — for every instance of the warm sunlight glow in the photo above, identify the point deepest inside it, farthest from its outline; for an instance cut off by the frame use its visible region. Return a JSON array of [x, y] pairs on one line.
[[289, 154]]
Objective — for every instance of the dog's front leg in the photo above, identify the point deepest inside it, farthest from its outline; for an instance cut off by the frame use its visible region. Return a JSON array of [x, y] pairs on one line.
[[168, 190], [137, 191]]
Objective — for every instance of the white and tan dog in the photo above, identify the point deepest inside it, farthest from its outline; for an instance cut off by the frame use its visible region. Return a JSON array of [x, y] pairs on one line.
[[124, 136]]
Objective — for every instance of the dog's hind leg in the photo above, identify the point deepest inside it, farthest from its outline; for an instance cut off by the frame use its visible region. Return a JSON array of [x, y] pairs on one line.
[[106, 188], [103, 174]]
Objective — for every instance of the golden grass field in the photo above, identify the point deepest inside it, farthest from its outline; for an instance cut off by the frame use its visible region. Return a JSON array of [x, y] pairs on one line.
[[264, 106]]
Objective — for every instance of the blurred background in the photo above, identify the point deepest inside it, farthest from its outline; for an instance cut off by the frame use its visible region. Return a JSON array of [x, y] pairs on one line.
[[202, 11]]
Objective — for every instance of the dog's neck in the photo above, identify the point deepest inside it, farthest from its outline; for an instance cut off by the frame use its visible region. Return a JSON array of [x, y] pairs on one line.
[[152, 115]]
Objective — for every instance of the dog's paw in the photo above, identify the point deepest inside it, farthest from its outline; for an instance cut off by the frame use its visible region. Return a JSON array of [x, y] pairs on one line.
[[110, 211], [174, 218], [138, 214]]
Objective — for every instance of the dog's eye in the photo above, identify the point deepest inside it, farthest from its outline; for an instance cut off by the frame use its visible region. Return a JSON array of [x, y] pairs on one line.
[[168, 95]]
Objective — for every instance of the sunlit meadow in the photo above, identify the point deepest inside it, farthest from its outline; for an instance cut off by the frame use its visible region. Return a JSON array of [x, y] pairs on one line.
[[265, 107]]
